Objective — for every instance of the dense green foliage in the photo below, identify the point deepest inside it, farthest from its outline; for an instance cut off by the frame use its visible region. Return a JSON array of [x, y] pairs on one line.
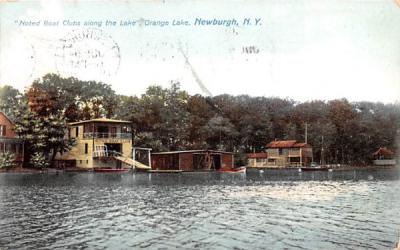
[[43, 135], [7, 160], [71, 98], [171, 119], [10, 100], [39, 160]]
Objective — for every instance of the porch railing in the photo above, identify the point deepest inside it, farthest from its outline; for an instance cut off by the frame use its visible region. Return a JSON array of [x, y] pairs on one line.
[[107, 135], [106, 153]]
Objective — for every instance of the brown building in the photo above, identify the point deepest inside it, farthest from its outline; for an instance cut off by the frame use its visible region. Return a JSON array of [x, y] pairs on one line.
[[192, 160], [384, 157], [9, 142], [257, 160], [289, 153]]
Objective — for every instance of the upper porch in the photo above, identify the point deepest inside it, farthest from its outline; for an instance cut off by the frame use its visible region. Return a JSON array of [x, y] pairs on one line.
[[100, 128], [112, 135]]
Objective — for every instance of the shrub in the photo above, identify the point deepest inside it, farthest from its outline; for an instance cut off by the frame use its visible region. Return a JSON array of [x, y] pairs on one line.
[[7, 160], [38, 160]]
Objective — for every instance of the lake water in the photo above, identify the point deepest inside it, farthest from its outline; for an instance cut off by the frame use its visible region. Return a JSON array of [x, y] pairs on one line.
[[258, 210]]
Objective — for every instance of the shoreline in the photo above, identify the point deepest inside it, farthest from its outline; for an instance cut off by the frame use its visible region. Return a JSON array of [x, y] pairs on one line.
[[25, 170], [341, 168]]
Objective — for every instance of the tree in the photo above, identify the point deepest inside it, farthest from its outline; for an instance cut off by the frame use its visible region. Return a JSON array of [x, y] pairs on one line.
[[10, 100], [160, 114], [39, 160], [43, 135], [7, 160], [73, 98], [200, 112], [43, 102], [221, 133], [171, 119]]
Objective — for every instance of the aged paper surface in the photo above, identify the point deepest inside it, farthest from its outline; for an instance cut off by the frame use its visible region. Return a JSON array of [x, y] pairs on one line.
[[299, 49], [287, 110]]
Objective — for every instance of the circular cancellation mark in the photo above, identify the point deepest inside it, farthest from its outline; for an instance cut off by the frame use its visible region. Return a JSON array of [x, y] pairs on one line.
[[88, 54]]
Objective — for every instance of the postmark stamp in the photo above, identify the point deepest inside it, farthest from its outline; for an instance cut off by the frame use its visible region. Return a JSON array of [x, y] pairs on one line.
[[87, 54]]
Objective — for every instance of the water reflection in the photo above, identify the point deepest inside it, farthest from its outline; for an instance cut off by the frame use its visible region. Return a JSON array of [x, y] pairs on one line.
[[270, 209]]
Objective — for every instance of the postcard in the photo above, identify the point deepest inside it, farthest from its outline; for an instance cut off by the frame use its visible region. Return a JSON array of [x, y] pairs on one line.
[[231, 124]]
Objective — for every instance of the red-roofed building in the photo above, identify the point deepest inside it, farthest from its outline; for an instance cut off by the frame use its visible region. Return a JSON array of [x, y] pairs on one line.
[[288, 153], [8, 140], [257, 160], [384, 157], [281, 144]]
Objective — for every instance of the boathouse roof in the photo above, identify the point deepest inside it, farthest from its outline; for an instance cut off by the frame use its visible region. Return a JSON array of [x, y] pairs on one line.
[[99, 120], [287, 144], [383, 151], [301, 145]]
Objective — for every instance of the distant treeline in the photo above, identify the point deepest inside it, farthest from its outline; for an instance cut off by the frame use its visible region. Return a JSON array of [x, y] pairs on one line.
[[171, 119]]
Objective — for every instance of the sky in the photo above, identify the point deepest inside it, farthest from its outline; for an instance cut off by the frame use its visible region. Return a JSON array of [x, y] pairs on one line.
[[301, 49]]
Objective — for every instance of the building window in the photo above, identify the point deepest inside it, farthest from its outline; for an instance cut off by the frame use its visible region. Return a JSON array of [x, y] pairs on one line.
[[3, 130], [87, 128], [125, 129], [76, 131], [113, 132], [86, 148]]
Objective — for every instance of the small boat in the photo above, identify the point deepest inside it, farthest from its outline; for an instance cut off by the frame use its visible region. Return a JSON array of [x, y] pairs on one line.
[[318, 168], [232, 170], [77, 170], [110, 170]]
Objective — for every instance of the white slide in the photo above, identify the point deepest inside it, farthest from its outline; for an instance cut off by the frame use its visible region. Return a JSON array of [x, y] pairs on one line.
[[131, 162]]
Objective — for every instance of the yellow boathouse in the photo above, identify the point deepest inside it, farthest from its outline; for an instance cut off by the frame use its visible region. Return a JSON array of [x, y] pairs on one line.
[[98, 143]]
